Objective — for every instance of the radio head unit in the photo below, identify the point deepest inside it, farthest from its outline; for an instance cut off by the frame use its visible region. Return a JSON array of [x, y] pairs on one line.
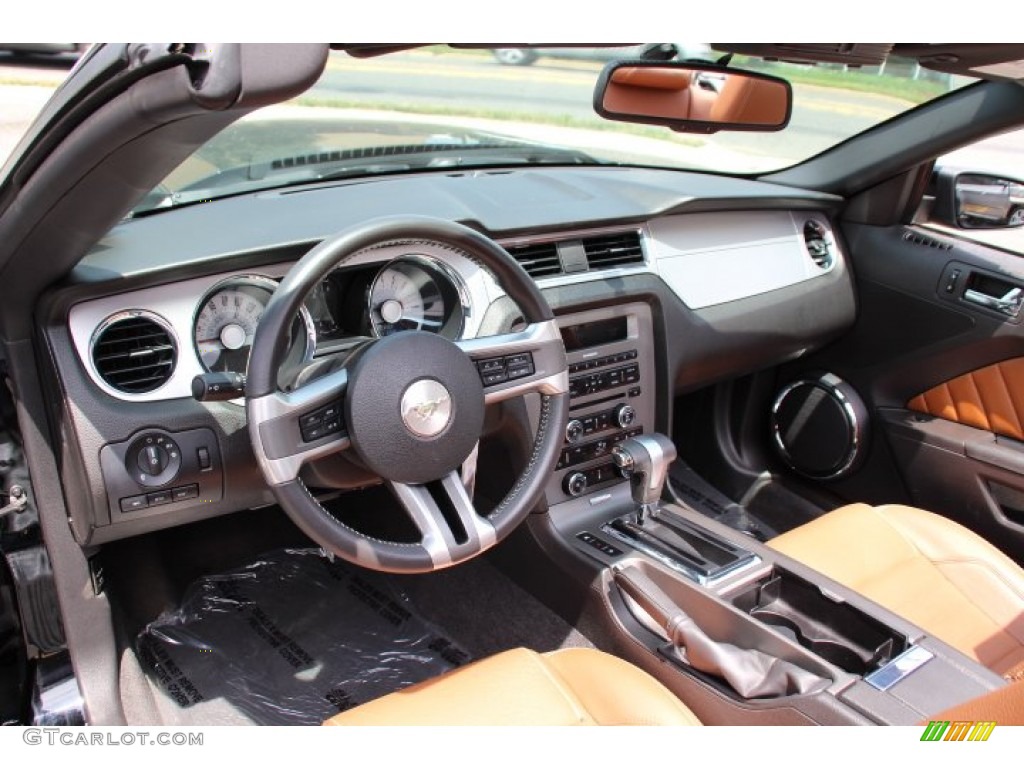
[[610, 354]]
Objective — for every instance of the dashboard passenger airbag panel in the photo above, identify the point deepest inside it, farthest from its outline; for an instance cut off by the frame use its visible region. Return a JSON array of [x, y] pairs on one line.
[[715, 258]]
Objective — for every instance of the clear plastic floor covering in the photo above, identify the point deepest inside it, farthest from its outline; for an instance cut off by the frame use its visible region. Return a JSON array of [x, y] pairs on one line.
[[292, 639]]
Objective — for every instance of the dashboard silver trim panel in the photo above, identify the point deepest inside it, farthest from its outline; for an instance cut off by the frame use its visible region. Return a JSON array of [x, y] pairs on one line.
[[177, 302]]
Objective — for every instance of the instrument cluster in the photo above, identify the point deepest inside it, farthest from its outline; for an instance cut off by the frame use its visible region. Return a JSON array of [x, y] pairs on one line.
[[409, 293]]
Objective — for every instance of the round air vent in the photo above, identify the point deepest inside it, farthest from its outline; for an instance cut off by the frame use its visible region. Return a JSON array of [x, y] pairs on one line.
[[134, 352], [819, 427], [818, 246]]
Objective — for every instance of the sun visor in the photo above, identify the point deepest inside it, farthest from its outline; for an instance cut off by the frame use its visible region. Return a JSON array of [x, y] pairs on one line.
[[990, 61], [851, 54]]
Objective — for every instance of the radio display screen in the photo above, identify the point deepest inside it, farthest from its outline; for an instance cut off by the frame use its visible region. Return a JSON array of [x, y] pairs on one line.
[[594, 334]]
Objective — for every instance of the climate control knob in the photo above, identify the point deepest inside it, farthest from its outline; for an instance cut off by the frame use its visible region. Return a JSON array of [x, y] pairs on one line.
[[573, 431], [625, 415], [575, 484]]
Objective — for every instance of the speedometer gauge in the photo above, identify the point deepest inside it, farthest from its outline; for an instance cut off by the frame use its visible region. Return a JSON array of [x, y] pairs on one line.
[[226, 323], [415, 294]]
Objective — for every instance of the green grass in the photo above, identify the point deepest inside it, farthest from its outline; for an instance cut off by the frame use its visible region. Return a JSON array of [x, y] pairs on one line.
[[28, 81], [914, 91], [560, 120], [444, 50]]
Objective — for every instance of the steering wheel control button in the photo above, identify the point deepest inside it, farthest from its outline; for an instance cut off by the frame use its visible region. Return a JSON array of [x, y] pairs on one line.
[[153, 460], [493, 365], [490, 379], [426, 408], [492, 371], [414, 406], [498, 370], [519, 366], [322, 422]]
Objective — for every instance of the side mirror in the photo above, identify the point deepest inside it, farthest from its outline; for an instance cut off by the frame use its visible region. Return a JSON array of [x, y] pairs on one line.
[[970, 200], [692, 98]]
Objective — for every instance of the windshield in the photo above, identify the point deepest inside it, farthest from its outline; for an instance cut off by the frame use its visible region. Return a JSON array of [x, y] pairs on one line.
[[441, 108]]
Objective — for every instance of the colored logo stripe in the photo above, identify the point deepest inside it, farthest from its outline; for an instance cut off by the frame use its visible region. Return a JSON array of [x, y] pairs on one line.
[[961, 730], [958, 731], [982, 730]]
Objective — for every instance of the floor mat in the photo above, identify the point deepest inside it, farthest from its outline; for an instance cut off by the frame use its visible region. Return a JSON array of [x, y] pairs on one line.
[[291, 640]]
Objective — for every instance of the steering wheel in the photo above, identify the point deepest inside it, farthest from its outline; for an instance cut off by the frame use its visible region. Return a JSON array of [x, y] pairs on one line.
[[412, 406]]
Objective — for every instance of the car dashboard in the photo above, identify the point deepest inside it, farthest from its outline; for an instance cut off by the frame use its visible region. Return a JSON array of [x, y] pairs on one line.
[[662, 282]]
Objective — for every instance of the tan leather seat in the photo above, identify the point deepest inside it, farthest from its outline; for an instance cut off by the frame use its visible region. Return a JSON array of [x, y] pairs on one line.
[[575, 686], [925, 568], [1004, 706]]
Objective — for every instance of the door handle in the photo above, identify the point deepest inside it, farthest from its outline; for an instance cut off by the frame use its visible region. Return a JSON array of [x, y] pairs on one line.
[[1009, 303]]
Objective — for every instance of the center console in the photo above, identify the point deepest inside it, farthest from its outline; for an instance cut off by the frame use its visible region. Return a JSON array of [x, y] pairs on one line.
[[751, 606], [739, 632]]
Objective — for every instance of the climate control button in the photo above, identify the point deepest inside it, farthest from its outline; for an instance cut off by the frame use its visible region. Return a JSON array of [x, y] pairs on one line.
[[625, 415], [575, 484]]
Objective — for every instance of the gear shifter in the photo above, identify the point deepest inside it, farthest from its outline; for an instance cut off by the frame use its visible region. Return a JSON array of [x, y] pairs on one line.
[[667, 534], [645, 460]]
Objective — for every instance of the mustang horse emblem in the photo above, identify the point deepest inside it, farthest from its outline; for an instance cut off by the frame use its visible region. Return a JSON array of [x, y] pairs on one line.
[[427, 408]]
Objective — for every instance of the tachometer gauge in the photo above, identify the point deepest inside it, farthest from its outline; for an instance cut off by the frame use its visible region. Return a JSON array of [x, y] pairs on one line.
[[413, 294], [226, 323]]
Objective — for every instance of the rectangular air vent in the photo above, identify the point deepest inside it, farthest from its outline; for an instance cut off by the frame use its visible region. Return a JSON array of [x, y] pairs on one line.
[[538, 259], [929, 242], [618, 249]]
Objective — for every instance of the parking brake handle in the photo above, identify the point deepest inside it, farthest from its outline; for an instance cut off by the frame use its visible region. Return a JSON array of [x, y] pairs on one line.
[[752, 674]]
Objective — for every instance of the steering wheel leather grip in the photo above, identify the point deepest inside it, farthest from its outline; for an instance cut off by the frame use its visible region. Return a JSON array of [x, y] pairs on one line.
[[413, 405]]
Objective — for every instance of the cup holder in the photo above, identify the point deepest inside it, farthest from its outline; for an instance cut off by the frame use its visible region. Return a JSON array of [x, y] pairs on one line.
[[834, 631], [830, 650]]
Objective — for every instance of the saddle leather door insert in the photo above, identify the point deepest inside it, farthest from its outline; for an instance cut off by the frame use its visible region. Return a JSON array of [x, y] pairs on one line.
[[990, 398]]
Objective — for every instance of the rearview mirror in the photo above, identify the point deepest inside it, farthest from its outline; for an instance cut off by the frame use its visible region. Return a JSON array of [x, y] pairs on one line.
[[692, 98], [978, 200]]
